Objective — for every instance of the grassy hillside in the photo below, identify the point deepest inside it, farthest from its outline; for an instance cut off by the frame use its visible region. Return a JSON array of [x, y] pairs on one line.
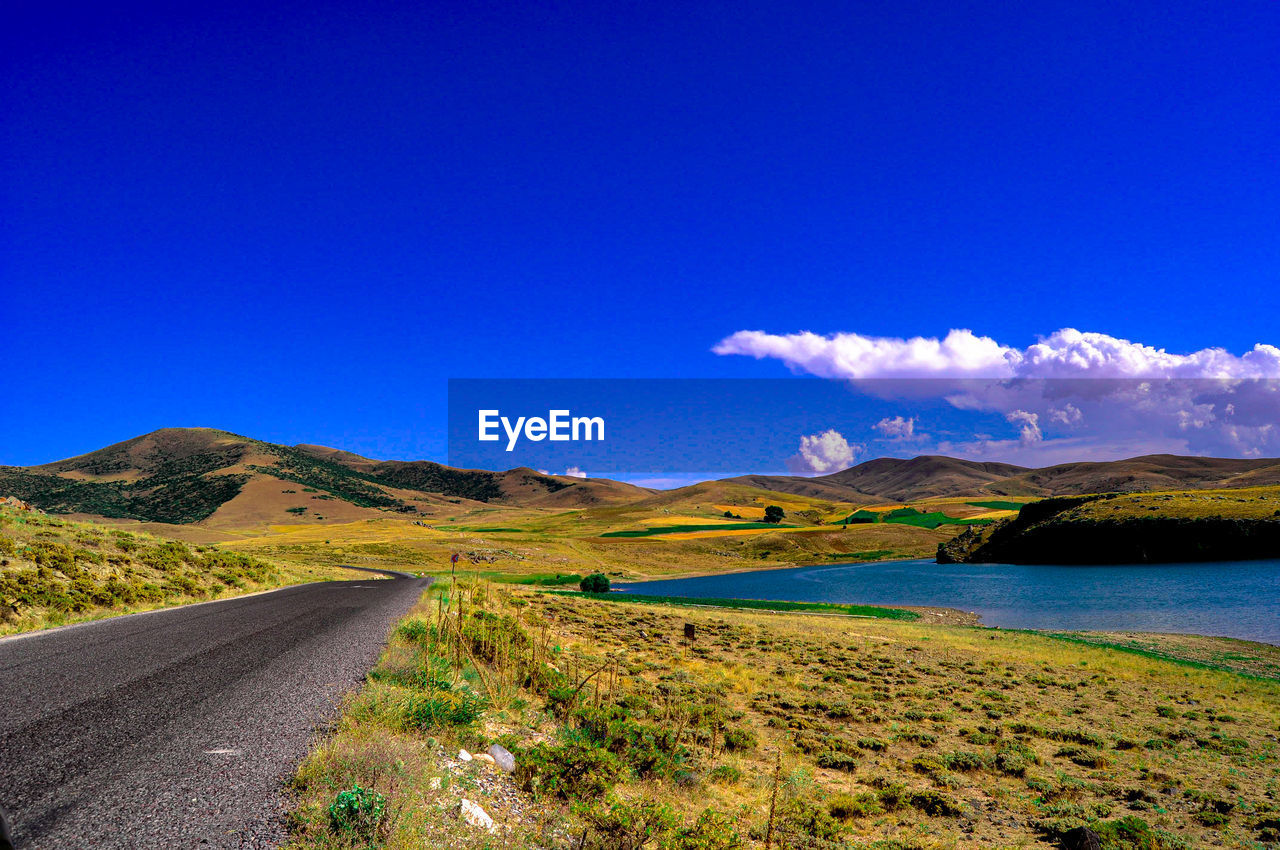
[[189, 475], [800, 731], [1193, 525], [54, 571], [925, 477]]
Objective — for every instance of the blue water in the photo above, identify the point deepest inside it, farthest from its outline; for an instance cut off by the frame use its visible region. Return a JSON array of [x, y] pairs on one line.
[[1238, 599]]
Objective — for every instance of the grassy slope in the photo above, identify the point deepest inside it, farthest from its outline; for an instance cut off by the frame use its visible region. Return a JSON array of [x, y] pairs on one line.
[[926, 736], [55, 571], [1185, 525]]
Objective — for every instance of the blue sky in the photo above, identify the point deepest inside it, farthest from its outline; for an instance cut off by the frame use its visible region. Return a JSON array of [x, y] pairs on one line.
[[298, 223]]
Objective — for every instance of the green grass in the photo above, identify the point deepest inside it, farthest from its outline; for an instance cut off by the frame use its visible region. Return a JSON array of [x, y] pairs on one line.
[[753, 604], [912, 516], [998, 505], [653, 531], [872, 555], [934, 519], [480, 528]]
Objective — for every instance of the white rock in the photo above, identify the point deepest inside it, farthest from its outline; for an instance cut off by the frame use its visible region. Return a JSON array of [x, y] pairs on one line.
[[434, 783], [476, 816], [484, 757], [502, 758], [463, 755]]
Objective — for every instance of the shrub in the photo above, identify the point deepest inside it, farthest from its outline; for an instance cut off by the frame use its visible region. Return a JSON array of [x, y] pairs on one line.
[[737, 740], [625, 825], [415, 630], [711, 831], [570, 770], [846, 807], [1133, 832], [358, 813], [441, 709], [804, 818], [724, 774], [594, 583], [834, 760]]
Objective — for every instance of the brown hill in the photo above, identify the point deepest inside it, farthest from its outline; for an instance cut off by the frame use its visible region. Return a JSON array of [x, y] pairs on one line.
[[928, 476], [1150, 472], [186, 475]]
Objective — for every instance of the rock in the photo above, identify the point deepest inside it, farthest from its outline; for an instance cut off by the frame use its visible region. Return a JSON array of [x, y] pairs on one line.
[[476, 816], [484, 757], [502, 758], [434, 783], [1081, 838], [463, 755]]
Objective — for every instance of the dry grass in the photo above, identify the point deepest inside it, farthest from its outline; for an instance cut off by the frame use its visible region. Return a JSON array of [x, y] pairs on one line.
[[56, 571], [911, 735]]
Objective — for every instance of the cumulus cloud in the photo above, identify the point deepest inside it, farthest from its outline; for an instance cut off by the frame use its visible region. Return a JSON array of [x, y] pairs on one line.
[[821, 453], [896, 427], [574, 472], [1091, 389], [1068, 414], [1028, 425], [1067, 353]]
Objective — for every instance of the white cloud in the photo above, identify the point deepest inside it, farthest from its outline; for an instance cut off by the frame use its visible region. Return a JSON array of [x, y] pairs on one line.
[[823, 453], [1090, 388], [1068, 414], [1067, 353], [1029, 425], [574, 472], [850, 355], [896, 428]]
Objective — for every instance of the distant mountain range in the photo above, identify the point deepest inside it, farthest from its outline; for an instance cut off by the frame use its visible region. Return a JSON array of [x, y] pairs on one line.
[[187, 475], [929, 476]]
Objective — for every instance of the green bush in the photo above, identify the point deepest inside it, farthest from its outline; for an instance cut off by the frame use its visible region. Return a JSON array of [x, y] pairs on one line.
[[438, 709], [711, 831], [624, 825], [834, 760], [738, 740], [358, 813], [843, 806], [724, 774], [574, 769], [594, 583]]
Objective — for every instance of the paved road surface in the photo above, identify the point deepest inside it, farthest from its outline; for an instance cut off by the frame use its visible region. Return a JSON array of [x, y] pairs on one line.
[[177, 728]]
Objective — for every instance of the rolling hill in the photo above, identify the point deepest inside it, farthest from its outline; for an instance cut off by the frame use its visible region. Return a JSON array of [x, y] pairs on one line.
[[189, 475], [224, 480], [931, 476]]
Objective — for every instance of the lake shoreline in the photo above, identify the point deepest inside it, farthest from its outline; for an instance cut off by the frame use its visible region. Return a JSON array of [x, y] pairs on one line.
[[1228, 599]]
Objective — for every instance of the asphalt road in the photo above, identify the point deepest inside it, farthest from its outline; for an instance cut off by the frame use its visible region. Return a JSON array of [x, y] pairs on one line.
[[178, 728]]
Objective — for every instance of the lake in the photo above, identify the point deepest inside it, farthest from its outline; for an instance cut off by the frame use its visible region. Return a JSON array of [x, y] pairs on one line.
[[1231, 598]]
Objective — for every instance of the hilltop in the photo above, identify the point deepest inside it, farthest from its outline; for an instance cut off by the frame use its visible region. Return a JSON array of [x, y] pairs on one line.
[[190, 475]]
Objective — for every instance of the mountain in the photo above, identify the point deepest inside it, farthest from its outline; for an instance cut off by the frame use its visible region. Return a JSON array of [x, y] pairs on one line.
[[224, 480], [186, 475], [928, 476]]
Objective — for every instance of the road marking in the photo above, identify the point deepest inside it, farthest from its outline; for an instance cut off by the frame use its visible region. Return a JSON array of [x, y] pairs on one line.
[[222, 751]]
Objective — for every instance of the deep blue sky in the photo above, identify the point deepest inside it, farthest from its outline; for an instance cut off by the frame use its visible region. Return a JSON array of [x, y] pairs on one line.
[[297, 223]]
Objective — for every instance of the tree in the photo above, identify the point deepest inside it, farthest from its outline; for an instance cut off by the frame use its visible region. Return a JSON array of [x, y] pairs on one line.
[[773, 513], [594, 583]]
